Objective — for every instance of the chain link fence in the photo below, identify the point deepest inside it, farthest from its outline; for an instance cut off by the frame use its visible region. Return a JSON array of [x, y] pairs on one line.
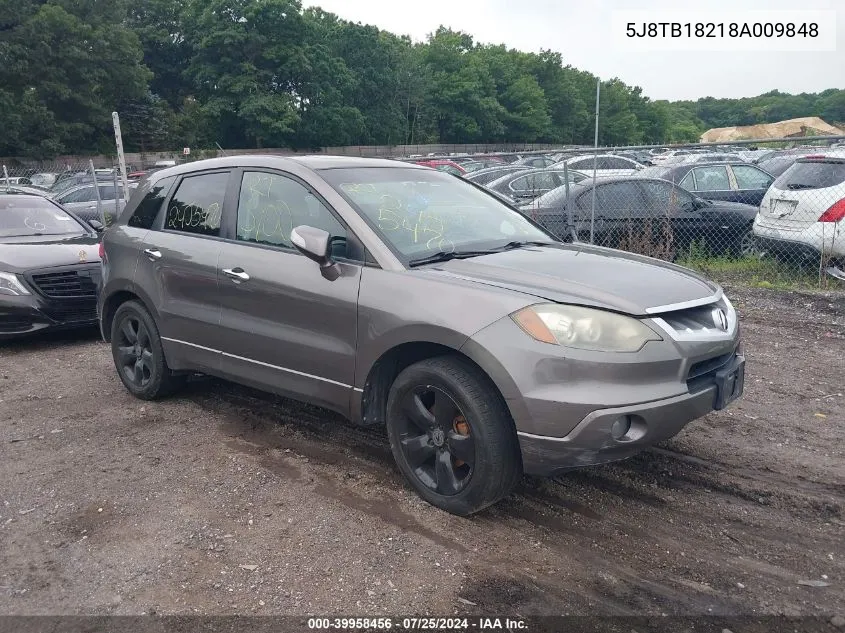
[[770, 216], [91, 193]]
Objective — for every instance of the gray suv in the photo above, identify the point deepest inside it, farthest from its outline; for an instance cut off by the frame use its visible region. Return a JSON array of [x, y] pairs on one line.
[[401, 296]]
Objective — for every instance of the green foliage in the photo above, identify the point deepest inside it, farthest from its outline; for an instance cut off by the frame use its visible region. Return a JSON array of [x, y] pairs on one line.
[[260, 73]]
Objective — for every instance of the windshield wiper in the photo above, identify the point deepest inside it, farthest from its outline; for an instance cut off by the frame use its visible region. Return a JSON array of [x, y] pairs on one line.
[[442, 256]]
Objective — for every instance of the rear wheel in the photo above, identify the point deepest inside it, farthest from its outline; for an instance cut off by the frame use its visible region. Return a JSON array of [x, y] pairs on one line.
[[452, 435], [138, 354]]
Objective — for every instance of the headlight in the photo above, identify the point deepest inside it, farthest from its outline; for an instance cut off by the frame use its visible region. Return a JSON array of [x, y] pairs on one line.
[[584, 328], [11, 285]]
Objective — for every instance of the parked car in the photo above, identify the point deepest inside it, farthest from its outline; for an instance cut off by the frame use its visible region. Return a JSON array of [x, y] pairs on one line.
[[15, 180], [49, 267], [709, 157], [82, 200], [488, 175], [536, 161], [533, 183], [44, 180], [802, 216], [346, 282], [626, 207], [448, 166], [606, 165], [778, 163], [731, 182]]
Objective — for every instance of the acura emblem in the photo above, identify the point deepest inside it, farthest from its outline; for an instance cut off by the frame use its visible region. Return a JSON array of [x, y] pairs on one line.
[[720, 319], [83, 257]]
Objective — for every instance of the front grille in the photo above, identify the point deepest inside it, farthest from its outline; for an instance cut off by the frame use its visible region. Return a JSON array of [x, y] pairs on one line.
[[704, 372], [692, 320], [65, 284], [72, 311]]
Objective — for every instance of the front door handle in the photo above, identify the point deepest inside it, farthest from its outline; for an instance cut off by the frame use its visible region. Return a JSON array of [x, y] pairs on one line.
[[152, 254], [238, 274]]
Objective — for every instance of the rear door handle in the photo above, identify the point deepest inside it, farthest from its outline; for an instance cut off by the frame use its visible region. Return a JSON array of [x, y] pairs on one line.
[[152, 254], [237, 274]]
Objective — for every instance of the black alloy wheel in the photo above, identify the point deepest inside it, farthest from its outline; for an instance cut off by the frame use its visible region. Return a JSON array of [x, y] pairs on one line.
[[135, 353], [436, 440]]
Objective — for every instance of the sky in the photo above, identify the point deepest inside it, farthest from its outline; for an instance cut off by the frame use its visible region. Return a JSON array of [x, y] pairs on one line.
[[581, 31]]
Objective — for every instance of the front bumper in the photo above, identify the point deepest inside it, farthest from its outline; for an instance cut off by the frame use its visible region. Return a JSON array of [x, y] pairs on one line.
[[564, 402], [592, 442], [23, 315]]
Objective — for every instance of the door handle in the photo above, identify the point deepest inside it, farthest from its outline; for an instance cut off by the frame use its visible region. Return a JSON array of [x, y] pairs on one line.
[[152, 254], [237, 274]]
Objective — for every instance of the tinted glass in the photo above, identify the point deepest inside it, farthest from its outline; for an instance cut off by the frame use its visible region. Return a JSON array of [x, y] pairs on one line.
[[271, 206], [614, 200], [712, 179], [22, 216], [86, 194], [665, 199], [776, 166], [748, 177], [582, 163], [421, 212], [197, 205], [617, 163], [688, 182], [813, 175], [107, 192], [149, 207]]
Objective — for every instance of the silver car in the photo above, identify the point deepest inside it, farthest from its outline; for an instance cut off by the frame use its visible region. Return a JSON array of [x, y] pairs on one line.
[[401, 296], [82, 200]]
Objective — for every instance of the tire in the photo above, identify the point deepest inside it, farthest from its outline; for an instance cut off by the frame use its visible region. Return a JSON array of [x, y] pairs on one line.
[[137, 351], [452, 395], [746, 245]]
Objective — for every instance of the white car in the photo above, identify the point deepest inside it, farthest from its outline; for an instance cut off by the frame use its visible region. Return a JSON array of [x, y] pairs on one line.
[[802, 215], [606, 165]]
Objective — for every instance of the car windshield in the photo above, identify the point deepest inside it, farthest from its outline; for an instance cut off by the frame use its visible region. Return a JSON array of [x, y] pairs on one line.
[[421, 212], [24, 216]]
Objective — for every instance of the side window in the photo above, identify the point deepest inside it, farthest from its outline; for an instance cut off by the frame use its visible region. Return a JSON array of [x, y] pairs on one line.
[[617, 163], [688, 182], [107, 192], [86, 194], [664, 199], [712, 178], [149, 207], [272, 205], [197, 205], [748, 177], [582, 163], [520, 184], [615, 201]]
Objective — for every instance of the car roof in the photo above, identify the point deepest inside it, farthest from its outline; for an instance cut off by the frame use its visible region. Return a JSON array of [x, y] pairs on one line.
[[314, 162]]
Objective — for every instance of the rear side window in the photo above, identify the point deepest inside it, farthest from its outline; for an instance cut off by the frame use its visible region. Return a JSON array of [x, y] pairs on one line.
[[748, 177], [811, 175], [712, 179], [197, 205], [149, 207]]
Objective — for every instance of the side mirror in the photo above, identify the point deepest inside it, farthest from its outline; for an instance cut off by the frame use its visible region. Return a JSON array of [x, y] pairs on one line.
[[96, 225], [315, 244]]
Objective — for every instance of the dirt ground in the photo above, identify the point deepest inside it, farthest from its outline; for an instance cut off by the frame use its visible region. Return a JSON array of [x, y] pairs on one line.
[[228, 501]]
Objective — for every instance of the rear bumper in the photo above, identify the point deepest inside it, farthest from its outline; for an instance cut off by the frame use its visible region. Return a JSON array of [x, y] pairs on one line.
[[802, 246]]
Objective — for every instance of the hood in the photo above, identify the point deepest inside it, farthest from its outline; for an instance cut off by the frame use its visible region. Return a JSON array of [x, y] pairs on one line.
[[583, 275], [20, 254]]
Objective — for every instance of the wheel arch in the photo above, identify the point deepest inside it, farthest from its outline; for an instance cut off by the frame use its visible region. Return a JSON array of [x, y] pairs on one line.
[[371, 409], [113, 301]]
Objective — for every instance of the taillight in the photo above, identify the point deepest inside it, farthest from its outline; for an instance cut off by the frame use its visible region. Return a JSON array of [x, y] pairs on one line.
[[101, 251], [834, 213]]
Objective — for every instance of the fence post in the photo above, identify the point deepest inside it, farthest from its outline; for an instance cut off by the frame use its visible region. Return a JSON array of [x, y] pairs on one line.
[[116, 196], [100, 213], [6, 178], [595, 164]]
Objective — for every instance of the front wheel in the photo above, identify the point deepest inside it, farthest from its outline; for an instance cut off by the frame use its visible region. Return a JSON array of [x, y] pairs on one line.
[[452, 435]]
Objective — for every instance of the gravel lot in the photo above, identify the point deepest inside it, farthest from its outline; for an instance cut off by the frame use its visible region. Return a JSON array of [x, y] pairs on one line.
[[228, 501]]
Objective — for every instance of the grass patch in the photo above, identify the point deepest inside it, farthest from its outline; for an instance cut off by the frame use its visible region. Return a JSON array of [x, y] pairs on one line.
[[759, 272]]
